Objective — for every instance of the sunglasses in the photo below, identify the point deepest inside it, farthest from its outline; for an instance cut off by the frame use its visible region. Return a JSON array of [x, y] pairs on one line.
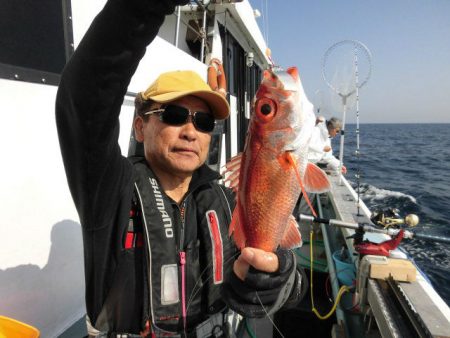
[[174, 115]]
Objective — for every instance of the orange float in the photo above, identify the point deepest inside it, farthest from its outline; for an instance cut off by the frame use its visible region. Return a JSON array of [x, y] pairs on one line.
[[216, 77], [11, 328]]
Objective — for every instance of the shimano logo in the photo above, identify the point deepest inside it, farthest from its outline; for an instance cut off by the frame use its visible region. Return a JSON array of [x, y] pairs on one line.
[[167, 221]]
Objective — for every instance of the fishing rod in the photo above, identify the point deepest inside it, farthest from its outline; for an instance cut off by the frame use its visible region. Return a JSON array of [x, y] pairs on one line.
[[410, 220]]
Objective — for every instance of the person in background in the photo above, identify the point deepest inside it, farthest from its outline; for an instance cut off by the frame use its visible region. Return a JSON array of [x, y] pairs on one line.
[[157, 255], [320, 151]]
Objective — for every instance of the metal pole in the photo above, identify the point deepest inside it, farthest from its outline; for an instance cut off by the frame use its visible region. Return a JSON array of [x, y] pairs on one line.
[[202, 48], [357, 152], [341, 148], [177, 26], [331, 269]]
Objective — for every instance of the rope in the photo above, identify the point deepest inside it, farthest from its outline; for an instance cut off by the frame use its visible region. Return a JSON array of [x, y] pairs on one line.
[[343, 288]]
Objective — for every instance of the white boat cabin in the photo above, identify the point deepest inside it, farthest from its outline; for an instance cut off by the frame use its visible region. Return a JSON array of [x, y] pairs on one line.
[[41, 250]]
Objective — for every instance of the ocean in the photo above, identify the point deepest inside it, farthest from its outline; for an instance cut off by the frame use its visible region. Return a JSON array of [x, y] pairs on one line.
[[407, 166]]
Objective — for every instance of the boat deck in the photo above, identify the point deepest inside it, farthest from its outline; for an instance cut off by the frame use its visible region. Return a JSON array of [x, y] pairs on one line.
[[341, 204], [421, 296]]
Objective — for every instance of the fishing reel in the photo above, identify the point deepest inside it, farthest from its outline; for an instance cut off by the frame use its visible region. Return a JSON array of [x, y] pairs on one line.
[[390, 218]]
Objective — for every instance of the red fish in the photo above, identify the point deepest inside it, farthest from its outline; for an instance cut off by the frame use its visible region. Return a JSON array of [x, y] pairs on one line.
[[273, 168]]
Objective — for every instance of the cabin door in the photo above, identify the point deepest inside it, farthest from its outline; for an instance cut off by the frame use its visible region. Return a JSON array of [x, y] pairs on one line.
[[243, 82]]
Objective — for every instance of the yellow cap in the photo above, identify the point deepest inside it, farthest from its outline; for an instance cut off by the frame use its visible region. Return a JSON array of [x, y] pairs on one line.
[[174, 85]]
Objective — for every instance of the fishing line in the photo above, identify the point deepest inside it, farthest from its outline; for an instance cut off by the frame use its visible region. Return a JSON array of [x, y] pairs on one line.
[[268, 316], [193, 294]]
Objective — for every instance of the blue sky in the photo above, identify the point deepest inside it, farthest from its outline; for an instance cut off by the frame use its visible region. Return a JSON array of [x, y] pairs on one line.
[[409, 41]]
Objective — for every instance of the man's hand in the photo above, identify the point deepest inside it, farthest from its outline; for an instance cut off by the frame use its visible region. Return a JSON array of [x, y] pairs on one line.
[[261, 277], [326, 149], [261, 260], [344, 169]]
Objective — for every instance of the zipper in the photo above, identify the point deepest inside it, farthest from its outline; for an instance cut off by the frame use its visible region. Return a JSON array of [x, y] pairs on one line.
[[182, 255], [182, 216], [183, 288]]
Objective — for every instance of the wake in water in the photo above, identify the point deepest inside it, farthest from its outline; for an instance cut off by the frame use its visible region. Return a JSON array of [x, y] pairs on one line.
[[370, 192], [377, 198]]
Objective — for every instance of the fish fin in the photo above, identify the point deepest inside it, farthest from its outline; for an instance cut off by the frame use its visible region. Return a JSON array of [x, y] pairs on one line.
[[292, 237], [315, 179], [231, 172], [287, 162], [293, 71], [236, 230], [292, 164], [267, 74]]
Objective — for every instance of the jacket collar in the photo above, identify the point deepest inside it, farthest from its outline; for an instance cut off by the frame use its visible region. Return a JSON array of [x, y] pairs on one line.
[[201, 176]]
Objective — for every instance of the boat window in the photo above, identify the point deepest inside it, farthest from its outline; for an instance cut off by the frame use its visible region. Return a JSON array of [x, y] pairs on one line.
[[36, 39], [193, 40]]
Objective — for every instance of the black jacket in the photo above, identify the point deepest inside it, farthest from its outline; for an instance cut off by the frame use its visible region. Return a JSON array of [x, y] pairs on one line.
[[101, 180]]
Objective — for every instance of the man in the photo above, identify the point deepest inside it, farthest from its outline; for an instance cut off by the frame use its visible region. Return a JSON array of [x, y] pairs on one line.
[[157, 255], [320, 145]]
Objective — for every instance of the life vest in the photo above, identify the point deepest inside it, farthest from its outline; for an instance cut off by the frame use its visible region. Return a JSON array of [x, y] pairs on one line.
[[176, 272], [216, 77]]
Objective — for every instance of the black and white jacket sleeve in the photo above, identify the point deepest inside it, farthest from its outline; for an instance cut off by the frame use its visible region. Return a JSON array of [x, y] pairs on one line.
[[263, 293]]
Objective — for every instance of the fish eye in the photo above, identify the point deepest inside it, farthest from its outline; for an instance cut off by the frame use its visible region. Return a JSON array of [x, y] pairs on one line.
[[265, 109]]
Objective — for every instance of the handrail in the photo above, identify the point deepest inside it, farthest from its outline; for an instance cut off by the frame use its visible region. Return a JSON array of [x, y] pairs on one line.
[[331, 270]]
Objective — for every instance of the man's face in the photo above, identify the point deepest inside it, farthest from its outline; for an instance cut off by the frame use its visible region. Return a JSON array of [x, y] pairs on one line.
[[179, 150], [333, 132]]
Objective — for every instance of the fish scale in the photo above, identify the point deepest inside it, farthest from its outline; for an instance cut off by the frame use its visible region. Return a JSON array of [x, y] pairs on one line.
[[277, 188]]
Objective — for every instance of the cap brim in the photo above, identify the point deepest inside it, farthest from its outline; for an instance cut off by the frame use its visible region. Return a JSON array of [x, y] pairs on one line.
[[217, 103]]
